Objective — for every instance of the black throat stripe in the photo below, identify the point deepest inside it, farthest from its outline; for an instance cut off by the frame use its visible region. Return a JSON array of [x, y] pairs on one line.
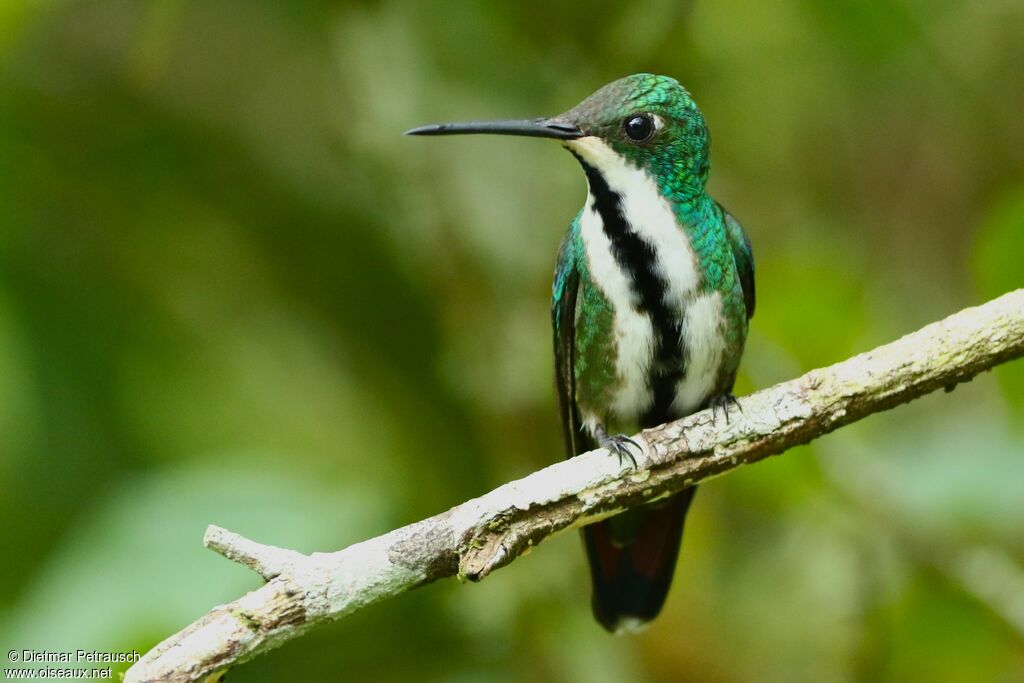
[[639, 261]]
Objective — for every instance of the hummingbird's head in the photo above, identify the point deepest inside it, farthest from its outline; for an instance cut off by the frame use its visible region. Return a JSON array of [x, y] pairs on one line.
[[642, 121]]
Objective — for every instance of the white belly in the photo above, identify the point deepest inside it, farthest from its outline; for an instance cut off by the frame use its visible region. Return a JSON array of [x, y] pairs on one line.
[[703, 343]]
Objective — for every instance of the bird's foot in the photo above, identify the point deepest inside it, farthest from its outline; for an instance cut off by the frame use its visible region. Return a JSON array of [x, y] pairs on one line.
[[723, 403], [620, 446]]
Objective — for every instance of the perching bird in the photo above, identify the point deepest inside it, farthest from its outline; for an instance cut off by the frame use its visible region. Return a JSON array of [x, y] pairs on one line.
[[653, 291]]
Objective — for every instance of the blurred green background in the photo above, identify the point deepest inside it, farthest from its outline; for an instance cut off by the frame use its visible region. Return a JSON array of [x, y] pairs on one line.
[[231, 292]]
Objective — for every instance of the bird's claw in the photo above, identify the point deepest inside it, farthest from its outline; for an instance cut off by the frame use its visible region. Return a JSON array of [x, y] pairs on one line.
[[723, 403], [619, 445]]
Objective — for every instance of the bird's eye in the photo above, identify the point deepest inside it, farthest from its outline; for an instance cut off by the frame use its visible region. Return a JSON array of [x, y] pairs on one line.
[[639, 127]]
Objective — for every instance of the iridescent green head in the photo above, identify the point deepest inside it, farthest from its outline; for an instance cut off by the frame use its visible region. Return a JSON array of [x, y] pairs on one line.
[[650, 121], [644, 120]]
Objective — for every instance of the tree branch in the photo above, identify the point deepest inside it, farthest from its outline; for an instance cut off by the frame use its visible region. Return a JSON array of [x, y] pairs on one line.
[[481, 535]]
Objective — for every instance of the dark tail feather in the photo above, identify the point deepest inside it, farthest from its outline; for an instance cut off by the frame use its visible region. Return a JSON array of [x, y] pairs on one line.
[[632, 557]]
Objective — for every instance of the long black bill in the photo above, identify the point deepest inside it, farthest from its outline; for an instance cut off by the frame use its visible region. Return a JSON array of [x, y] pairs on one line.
[[535, 128]]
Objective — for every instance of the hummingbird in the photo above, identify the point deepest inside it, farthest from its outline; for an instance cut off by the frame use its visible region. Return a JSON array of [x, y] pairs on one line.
[[652, 296]]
